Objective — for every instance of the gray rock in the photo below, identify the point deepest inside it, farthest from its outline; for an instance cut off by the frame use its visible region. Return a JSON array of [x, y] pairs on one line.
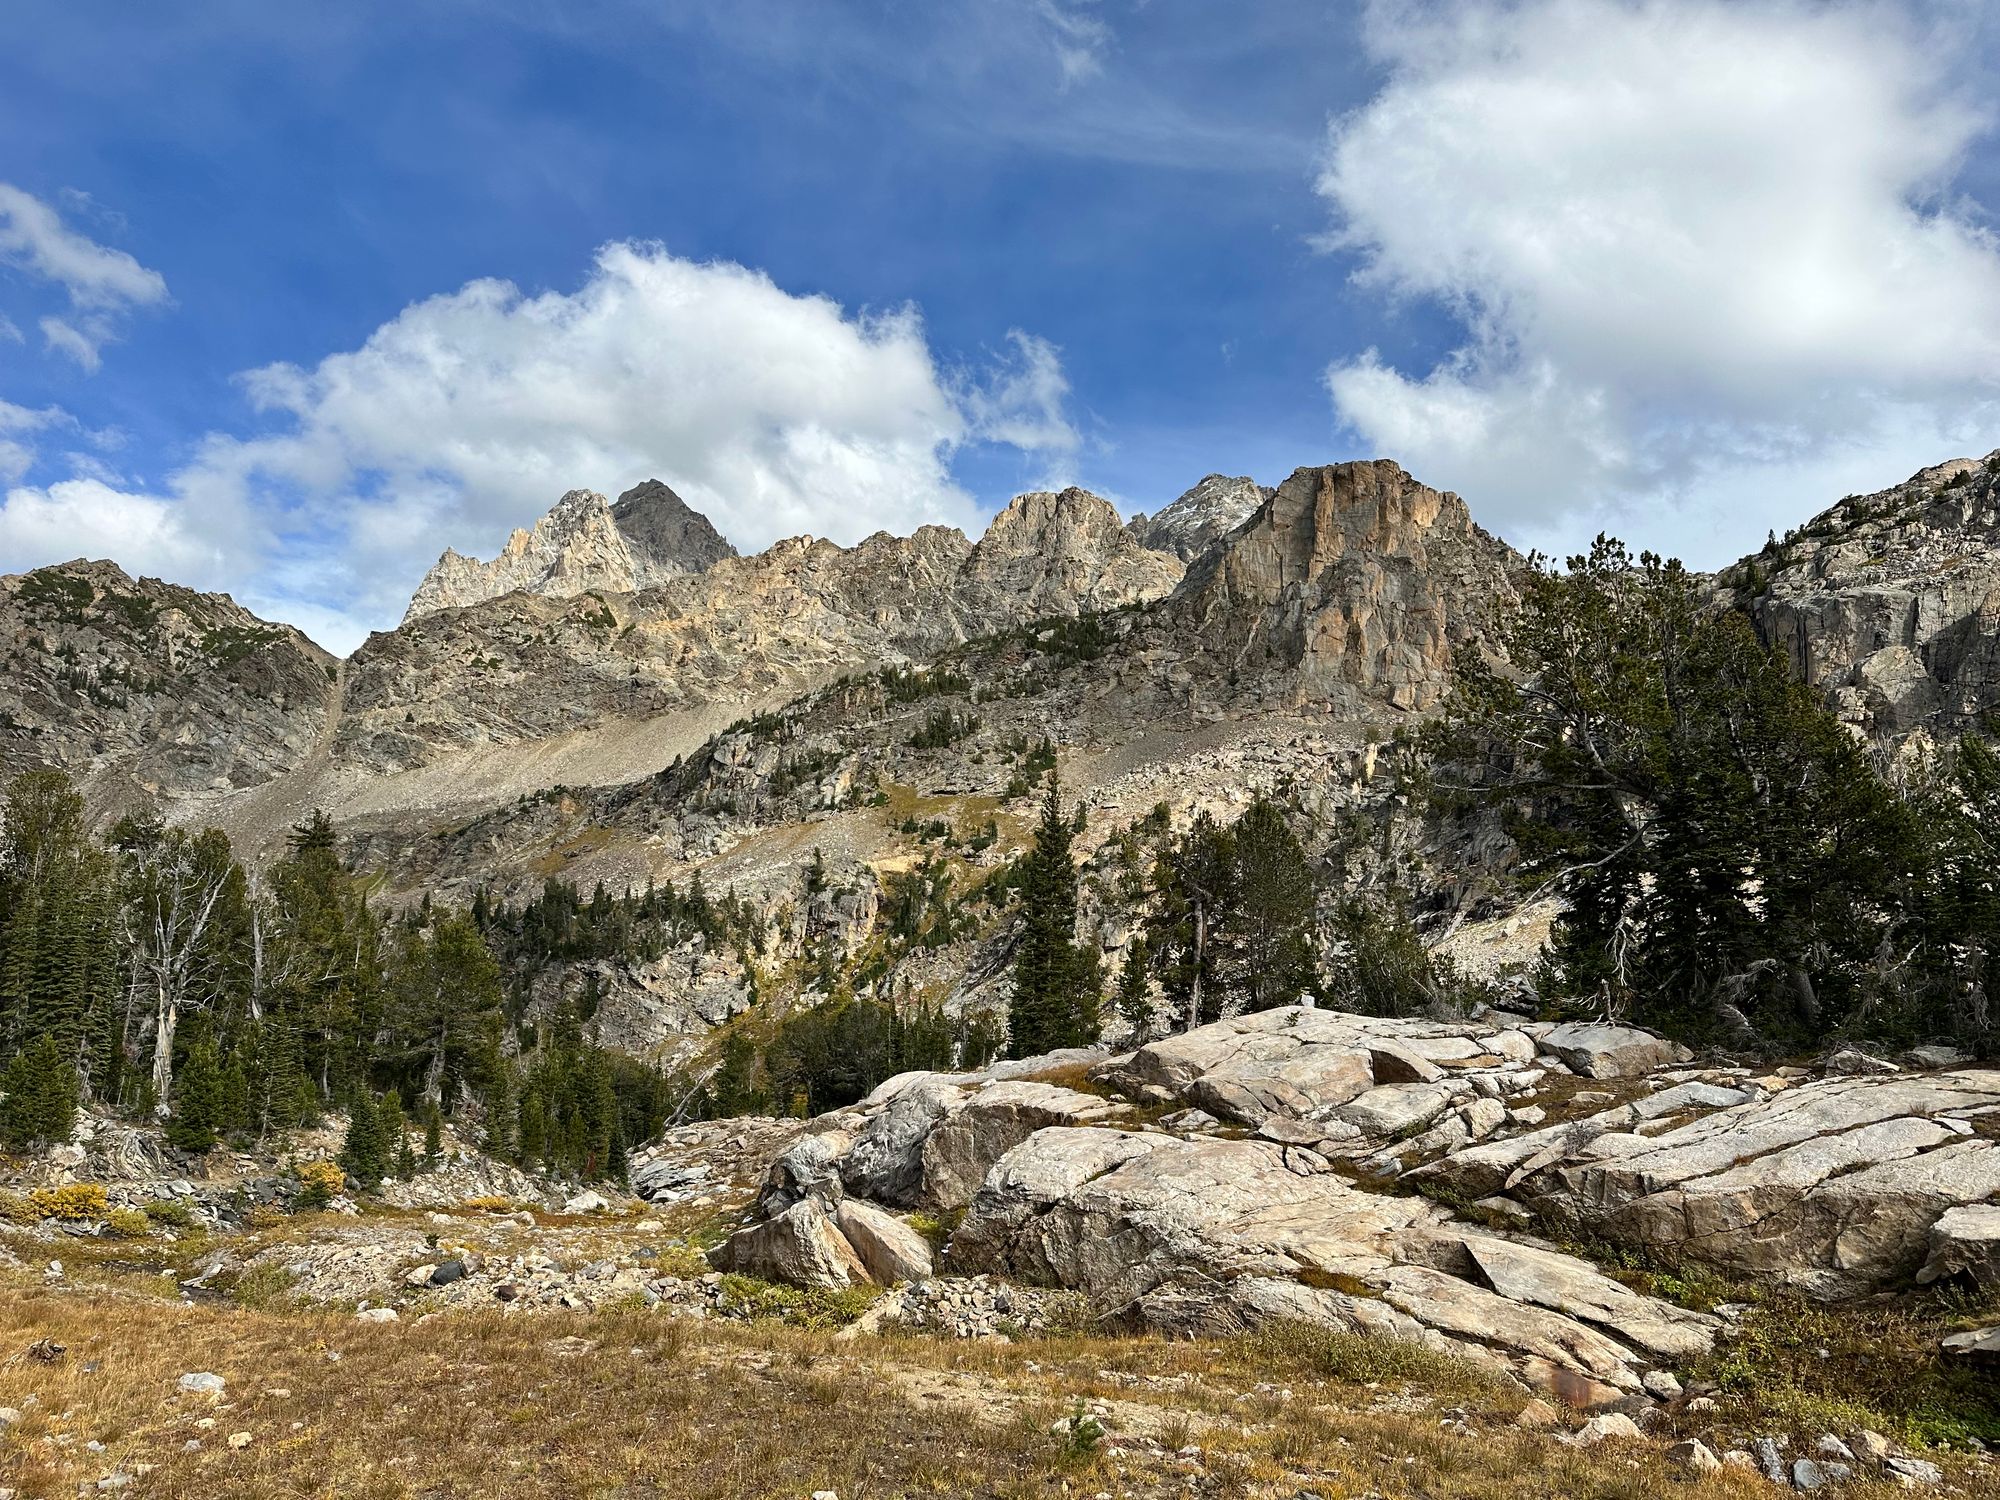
[[202, 1383], [1597, 1050], [890, 1249], [1206, 1234], [958, 1153], [1695, 1456], [802, 1246], [1965, 1241], [1770, 1460], [1913, 1473]]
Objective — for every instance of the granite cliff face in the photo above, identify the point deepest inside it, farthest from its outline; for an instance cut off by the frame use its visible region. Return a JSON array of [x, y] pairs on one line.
[[1350, 586], [1891, 602], [585, 543], [144, 691]]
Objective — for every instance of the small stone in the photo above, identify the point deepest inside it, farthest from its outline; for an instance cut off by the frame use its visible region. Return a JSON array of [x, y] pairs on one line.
[[419, 1275], [9, 1415], [192, 1445], [1537, 1416], [376, 1315], [202, 1383], [1914, 1473], [239, 1440], [1770, 1460], [1660, 1384], [1808, 1476], [1738, 1458], [1830, 1446], [1695, 1456], [1611, 1426], [204, 1424], [1870, 1445]]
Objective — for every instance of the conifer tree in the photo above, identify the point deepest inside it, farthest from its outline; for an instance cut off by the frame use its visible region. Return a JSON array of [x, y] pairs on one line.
[[1056, 982], [199, 1102], [39, 1085], [363, 1152]]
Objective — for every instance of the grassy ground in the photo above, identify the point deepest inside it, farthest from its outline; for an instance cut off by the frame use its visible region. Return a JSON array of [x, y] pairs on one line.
[[639, 1405]]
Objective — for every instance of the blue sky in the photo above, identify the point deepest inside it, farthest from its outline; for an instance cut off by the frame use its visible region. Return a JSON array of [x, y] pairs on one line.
[[296, 296]]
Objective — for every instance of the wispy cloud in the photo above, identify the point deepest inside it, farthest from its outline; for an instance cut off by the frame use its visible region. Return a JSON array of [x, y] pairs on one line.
[[101, 282]]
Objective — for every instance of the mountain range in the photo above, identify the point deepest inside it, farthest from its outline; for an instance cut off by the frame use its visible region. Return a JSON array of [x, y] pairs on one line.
[[619, 697]]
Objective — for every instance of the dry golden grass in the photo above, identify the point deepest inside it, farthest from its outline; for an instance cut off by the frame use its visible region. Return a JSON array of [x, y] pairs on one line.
[[645, 1405]]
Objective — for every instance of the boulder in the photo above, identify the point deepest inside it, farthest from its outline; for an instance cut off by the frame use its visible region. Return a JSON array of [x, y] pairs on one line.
[[1597, 1050], [889, 1248], [1965, 1242], [802, 1246], [886, 1160], [1301, 1061]]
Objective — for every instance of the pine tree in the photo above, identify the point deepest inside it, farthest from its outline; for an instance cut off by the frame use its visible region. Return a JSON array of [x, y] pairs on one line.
[[199, 1102], [364, 1151], [40, 1091], [1056, 982], [433, 1135], [1273, 948]]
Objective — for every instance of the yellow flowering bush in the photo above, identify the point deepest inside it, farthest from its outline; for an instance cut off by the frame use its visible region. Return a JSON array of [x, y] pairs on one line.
[[76, 1200]]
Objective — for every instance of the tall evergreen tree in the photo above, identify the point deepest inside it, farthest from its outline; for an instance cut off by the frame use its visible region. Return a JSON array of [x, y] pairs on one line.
[[38, 1096], [1057, 983]]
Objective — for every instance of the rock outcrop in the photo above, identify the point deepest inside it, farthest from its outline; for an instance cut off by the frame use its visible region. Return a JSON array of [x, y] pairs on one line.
[[1201, 517], [1834, 1186], [1348, 589], [667, 536], [149, 694], [1891, 601]]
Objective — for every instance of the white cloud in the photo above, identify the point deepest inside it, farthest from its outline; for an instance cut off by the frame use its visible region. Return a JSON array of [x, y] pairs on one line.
[[1703, 254], [17, 423], [1023, 401], [100, 282], [81, 346], [87, 518], [1080, 37], [470, 412], [34, 237]]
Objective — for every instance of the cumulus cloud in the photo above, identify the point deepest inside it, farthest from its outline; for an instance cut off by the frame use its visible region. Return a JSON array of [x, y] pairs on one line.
[[470, 412], [88, 518], [1702, 253]]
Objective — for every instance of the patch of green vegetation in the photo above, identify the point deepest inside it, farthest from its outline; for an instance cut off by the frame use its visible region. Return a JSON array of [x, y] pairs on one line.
[[265, 1287], [1336, 1354], [51, 593], [228, 644], [802, 1307], [1823, 1367]]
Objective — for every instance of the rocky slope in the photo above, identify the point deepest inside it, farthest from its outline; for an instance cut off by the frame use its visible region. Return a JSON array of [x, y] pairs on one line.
[[147, 692], [1891, 601], [585, 543]]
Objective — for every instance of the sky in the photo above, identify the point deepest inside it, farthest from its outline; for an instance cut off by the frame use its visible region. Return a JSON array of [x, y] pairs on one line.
[[292, 298]]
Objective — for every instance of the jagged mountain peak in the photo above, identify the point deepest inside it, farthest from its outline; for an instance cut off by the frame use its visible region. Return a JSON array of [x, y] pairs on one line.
[[1886, 601], [583, 544], [1202, 516], [668, 537]]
